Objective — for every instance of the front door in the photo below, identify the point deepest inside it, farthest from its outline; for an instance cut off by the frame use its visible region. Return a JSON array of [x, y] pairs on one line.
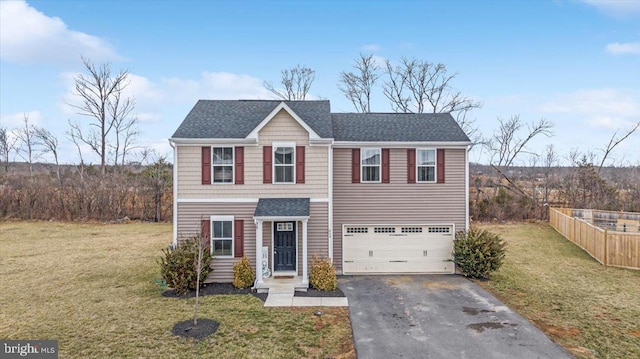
[[284, 246]]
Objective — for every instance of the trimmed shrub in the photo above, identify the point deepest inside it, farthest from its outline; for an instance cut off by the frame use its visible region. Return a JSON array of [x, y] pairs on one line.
[[243, 274], [323, 274], [478, 252], [178, 266]]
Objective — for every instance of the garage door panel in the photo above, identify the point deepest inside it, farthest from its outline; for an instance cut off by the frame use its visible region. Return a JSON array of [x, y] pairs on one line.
[[398, 249]]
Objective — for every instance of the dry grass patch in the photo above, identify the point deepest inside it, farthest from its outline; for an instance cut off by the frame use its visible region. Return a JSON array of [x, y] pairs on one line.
[[589, 309], [91, 286]]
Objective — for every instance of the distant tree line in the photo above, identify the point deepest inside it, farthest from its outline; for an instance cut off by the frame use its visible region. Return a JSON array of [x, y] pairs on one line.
[[116, 189]]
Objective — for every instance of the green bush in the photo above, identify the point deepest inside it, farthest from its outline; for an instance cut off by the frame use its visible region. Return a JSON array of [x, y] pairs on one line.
[[243, 274], [478, 252], [178, 266], [323, 274]]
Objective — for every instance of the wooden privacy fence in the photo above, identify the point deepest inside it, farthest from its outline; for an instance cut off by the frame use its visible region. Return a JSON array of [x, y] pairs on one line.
[[617, 249]]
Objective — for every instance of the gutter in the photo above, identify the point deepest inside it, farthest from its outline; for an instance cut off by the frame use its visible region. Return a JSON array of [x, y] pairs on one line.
[[175, 192]]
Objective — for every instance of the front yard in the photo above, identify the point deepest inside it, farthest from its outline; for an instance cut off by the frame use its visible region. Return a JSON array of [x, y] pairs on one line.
[[91, 287], [592, 310]]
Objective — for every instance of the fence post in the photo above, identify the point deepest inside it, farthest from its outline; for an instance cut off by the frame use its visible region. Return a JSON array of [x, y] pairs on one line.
[[606, 249]]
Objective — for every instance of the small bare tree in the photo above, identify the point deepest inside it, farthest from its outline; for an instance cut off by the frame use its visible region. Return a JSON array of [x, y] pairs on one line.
[[357, 86], [549, 164], [74, 134], [201, 243], [28, 142], [100, 92], [7, 145], [296, 82], [159, 177], [49, 143]]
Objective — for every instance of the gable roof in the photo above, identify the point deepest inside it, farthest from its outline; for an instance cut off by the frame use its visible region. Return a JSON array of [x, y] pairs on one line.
[[238, 118], [400, 127]]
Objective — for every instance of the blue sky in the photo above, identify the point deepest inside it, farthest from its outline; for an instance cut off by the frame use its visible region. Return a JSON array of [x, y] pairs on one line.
[[575, 63]]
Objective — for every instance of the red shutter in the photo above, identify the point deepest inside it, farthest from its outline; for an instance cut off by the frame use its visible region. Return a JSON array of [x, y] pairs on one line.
[[411, 165], [355, 165], [266, 164], [385, 165], [440, 165], [238, 238], [205, 229], [299, 164], [239, 155], [206, 165]]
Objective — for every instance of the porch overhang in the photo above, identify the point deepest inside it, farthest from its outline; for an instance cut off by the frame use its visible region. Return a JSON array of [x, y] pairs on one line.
[[289, 208], [281, 209]]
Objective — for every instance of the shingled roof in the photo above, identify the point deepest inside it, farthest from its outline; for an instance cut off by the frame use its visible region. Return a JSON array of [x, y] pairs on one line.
[[400, 127], [234, 119], [282, 207], [237, 118]]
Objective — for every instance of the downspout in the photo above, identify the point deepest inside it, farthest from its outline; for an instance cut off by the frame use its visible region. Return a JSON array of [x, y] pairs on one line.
[[330, 185], [466, 188], [175, 192]]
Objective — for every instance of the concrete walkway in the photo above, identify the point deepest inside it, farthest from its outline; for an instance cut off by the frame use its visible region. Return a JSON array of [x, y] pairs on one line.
[[283, 297]]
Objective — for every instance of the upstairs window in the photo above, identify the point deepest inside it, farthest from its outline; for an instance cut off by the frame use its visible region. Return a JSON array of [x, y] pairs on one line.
[[370, 164], [222, 164], [426, 165], [284, 163]]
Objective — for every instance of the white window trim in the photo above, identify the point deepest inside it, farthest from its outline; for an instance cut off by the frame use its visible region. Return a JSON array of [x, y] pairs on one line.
[[233, 166], [233, 235], [274, 146], [379, 149], [435, 164]]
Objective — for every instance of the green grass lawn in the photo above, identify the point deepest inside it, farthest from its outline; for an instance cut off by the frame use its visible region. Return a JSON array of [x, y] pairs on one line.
[[592, 310], [91, 287]]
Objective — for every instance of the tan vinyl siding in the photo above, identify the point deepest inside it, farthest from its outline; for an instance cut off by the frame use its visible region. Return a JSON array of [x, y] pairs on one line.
[[318, 230], [282, 128], [397, 202], [190, 215]]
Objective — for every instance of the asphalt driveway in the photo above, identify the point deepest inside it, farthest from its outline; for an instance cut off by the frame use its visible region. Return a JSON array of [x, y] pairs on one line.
[[437, 316]]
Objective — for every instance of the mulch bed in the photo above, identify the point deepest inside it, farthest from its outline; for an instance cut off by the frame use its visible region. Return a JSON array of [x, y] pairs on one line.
[[312, 292], [228, 288], [186, 329], [215, 289]]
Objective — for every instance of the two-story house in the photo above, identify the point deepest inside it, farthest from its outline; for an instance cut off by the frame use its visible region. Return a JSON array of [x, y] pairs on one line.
[[281, 181]]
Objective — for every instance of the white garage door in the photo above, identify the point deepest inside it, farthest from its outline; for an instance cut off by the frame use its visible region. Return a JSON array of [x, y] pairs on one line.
[[397, 249]]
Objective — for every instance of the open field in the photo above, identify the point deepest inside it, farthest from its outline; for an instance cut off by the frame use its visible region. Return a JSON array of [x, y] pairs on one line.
[[91, 286], [592, 310]]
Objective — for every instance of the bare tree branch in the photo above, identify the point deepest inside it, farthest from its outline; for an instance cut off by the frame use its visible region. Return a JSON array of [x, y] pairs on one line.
[[357, 86], [505, 145], [615, 141], [420, 86], [296, 82]]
